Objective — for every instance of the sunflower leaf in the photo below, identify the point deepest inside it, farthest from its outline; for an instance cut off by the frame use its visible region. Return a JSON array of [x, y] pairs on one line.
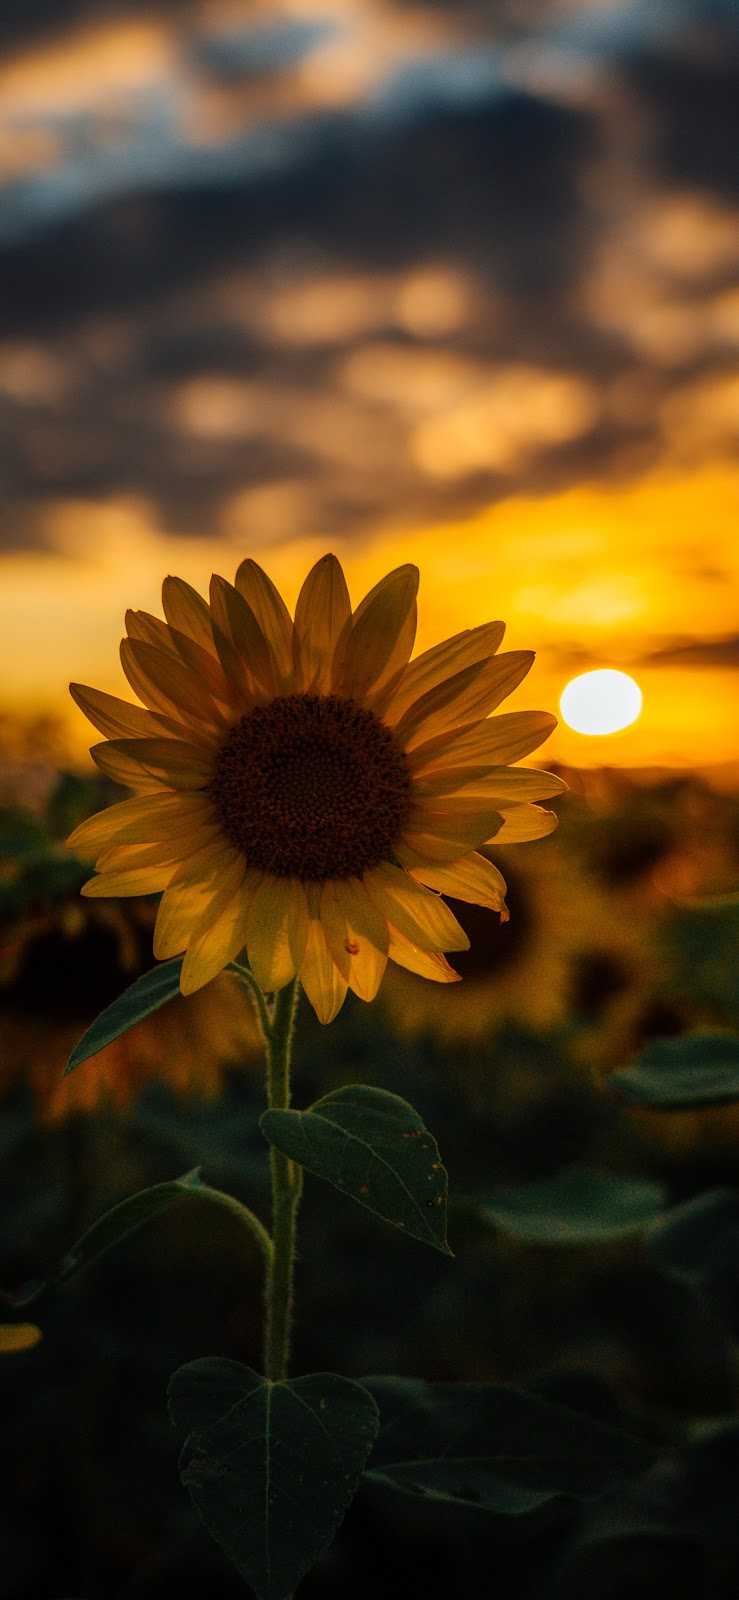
[[271, 1468], [147, 994], [374, 1147], [496, 1449], [698, 1069], [576, 1206], [124, 1219]]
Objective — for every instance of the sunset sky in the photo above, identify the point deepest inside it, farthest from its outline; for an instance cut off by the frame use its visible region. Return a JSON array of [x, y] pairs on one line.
[[391, 279]]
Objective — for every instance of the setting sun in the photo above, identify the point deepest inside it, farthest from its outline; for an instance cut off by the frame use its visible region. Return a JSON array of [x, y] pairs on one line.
[[600, 702]]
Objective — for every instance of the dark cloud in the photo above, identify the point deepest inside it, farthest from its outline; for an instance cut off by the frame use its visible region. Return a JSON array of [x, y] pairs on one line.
[[141, 263], [723, 652]]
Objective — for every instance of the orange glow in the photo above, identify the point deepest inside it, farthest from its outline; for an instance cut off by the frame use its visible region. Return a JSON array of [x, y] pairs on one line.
[[590, 576]]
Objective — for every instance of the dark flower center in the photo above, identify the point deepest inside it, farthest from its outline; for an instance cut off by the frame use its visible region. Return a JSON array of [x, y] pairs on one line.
[[311, 786]]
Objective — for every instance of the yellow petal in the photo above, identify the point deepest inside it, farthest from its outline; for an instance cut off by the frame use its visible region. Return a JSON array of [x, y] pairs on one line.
[[18, 1336], [356, 934], [473, 879], [178, 911], [204, 866], [186, 610], [165, 684], [277, 931], [427, 963], [417, 913], [171, 762], [213, 943], [320, 976], [123, 856], [494, 787], [250, 661], [140, 820], [456, 817], [440, 662], [122, 769], [271, 613], [523, 822], [205, 664], [491, 741], [470, 694], [139, 880], [322, 613], [143, 626], [119, 720], [378, 644]]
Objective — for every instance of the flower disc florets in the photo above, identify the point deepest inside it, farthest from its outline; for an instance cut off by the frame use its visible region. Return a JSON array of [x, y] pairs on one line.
[[313, 787]]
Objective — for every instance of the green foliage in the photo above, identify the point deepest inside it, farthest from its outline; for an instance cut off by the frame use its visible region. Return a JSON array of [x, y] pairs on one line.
[[499, 1449], [147, 994], [699, 1240], [123, 1220], [374, 1147], [271, 1467], [576, 1206], [699, 1069]]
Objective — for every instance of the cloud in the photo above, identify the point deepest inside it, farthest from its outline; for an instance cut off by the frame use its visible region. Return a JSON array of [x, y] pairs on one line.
[[720, 652]]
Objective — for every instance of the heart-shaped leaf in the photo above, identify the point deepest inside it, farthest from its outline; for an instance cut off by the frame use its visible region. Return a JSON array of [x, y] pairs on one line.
[[271, 1467], [500, 1449], [576, 1206], [699, 1069], [374, 1147]]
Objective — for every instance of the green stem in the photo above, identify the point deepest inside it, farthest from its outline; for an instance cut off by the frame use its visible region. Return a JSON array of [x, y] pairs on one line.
[[287, 1182]]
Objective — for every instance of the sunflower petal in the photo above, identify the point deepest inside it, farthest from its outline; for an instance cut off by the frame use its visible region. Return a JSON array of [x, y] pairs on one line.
[[218, 936], [494, 786], [443, 661], [322, 613], [427, 963], [378, 644], [165, 684], [238, 624], [492, 740], [139, 880], [320, 976], [421, 916], [170, 762], [523, 822], [140, 820], [179, 908], [356, 934], [473, 879], [472, 693], [143, 626], [118, 719], [276, 931], [187, 611], [469, 818], [271, 613]]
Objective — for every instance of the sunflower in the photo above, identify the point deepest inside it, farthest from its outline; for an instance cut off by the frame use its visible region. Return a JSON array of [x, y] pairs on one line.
[[303, 789]]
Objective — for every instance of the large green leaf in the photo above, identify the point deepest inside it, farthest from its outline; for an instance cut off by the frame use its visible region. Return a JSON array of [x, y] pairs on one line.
[[138, 1209], [374, 1147], [699, 1069], [699, 1240], [576, 1206], [271, 1467], [147, 994], [499, 1449]]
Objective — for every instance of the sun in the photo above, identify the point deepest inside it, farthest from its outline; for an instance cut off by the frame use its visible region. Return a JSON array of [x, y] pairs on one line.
[[601, 702]]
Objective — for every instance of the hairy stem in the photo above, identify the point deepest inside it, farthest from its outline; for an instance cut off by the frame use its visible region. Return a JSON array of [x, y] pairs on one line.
[[287, 1182]]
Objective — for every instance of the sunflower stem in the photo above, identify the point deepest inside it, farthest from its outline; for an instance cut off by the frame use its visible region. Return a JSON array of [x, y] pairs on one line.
[[287, 1183]]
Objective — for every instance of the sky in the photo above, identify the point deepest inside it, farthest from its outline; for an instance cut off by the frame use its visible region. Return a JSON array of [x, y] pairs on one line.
[[440, 282]]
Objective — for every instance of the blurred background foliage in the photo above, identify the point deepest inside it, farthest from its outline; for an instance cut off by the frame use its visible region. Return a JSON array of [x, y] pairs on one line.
[[618, 935]]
